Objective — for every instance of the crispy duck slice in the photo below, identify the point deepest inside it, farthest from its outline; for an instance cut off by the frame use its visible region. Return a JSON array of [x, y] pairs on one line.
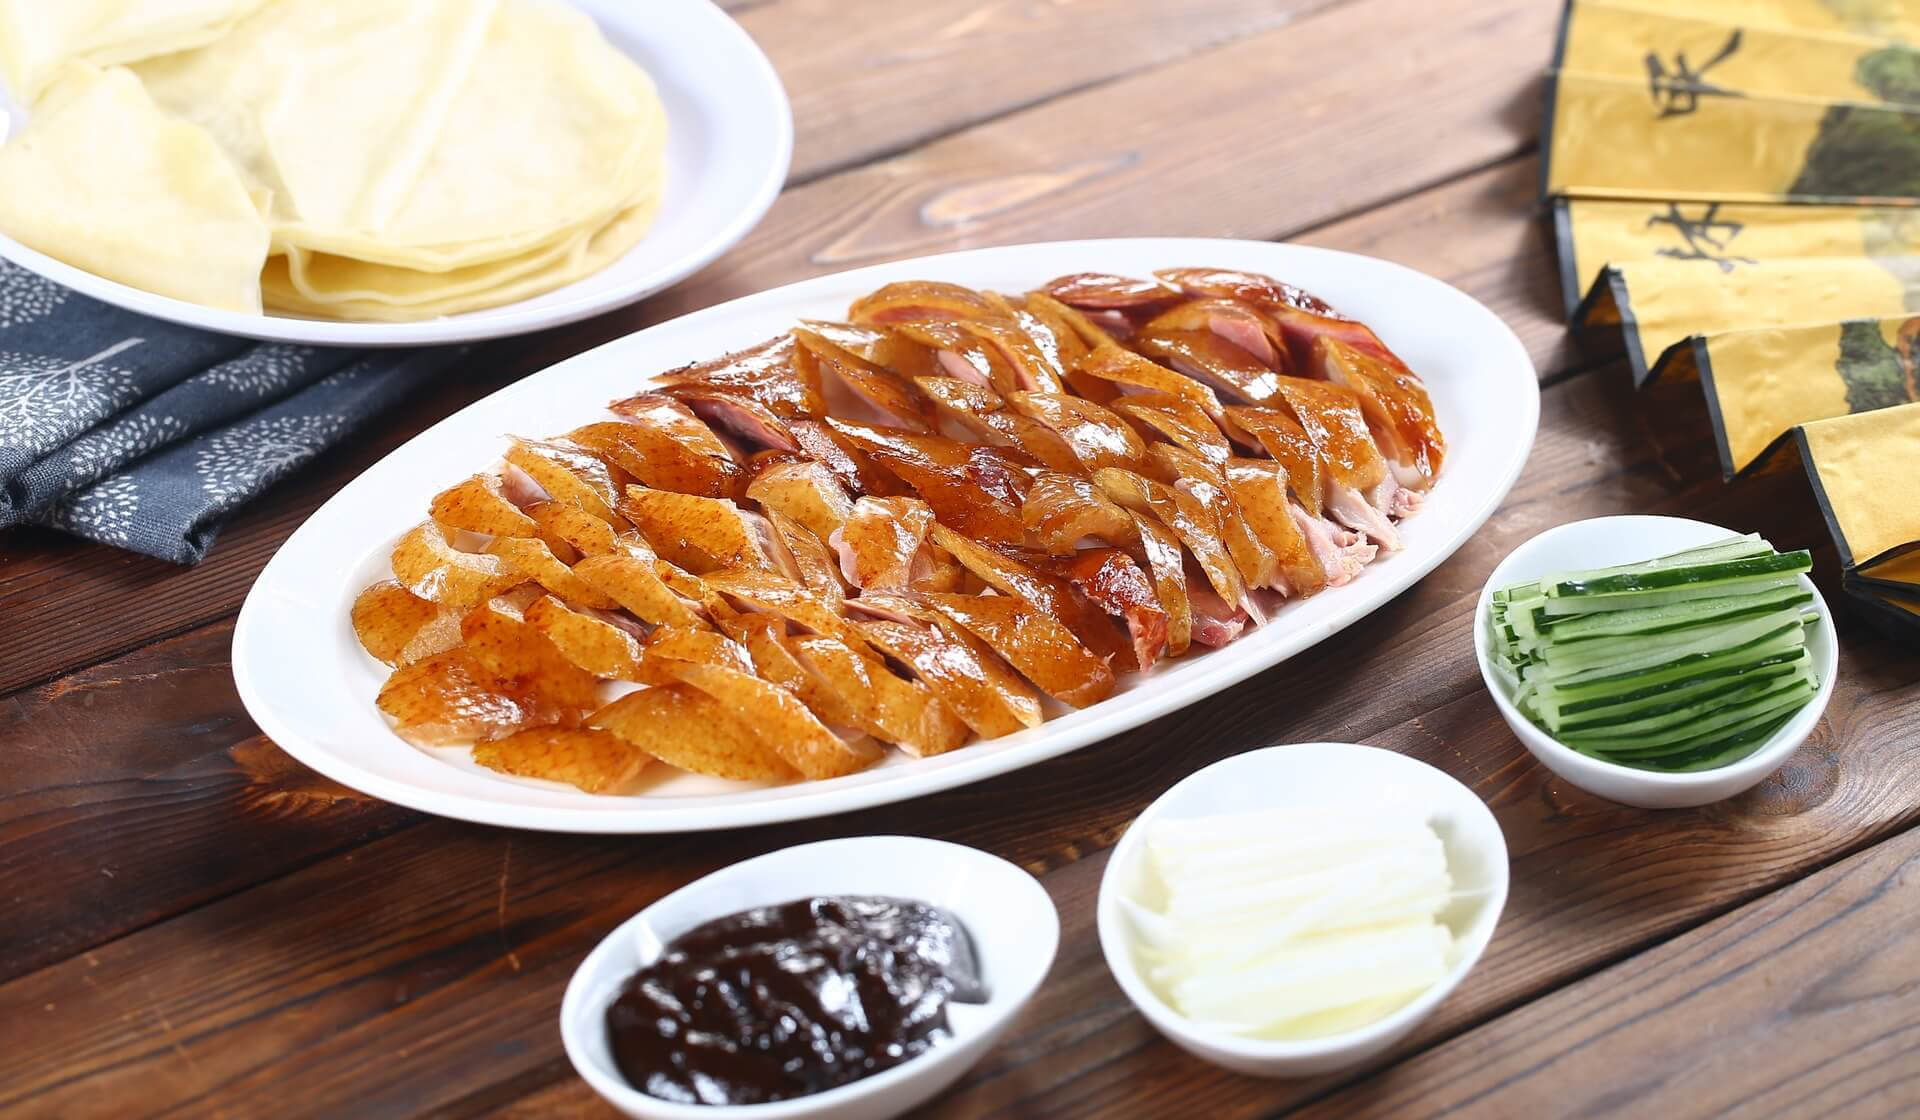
[[1102, 291], [665, 445], [595, 761], [752, 423], [599, 642], [857, 389], [1234, 320], [1092, 333], [1050, 331], [567, 472], [520, 661], [764, 374], [975, 489], [983, 413], [903, 712], [887, 347], [1275, 431], [425, 562], [1064, 509], [881, 540], [783, 598], [450, 698], [770, 645], [1053, 595], [779, 719], [1043, 649], [1035, 364], [701, 534], [1207, 357], [644, 585], [1113, 581], [805, 491], [1097, 436], [1178, 421], [1259, 487], [1351, 463], [814, 563], [957, 666], [480, 505], [1129, 371], [855, 469], [960, 354], [569, 530], [1191, 519], [1185, 471], [1299, 315], [1166, 563], [688, 729], [398, 627], [1396, 405], [911, 300]]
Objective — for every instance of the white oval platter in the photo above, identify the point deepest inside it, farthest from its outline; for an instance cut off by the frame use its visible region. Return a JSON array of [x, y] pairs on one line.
[[729, 143], [305, 680]]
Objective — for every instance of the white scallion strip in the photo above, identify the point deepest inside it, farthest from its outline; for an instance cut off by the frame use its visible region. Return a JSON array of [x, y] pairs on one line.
[[1296, 922]]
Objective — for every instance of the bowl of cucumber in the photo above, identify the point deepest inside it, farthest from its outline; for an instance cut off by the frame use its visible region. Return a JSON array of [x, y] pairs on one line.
[[1656, 661]]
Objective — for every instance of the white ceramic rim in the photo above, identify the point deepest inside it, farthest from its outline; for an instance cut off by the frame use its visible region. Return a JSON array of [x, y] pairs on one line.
[[615, 1088], [1776, 750], [743, 58], [1116, 944], [320, 551]]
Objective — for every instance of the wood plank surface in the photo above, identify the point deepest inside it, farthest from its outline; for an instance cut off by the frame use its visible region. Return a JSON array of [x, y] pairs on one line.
[[399, 948], [869, 87], [1800, 1004]]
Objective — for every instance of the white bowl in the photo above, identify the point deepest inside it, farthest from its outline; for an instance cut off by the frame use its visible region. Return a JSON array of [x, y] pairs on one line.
[[729, 143], [1307, 775], [1014, 927], [1601, 542]]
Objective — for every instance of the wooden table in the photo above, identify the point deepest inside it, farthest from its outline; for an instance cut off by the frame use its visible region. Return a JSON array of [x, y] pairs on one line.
[[191, 922]]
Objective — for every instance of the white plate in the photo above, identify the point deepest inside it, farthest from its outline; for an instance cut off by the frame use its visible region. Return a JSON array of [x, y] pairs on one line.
[[310, 687], [729, 143], [1006, 912]]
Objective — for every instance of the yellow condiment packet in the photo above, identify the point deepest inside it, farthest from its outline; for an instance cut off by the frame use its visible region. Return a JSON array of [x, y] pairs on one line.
[[1671, 51], [1687, 139], [1729, 236], [1660, 303], [1760, 383], [1887, 19], [1862, 467]]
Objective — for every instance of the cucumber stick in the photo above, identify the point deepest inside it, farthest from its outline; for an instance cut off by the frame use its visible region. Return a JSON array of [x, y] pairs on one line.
[[1683, 662]]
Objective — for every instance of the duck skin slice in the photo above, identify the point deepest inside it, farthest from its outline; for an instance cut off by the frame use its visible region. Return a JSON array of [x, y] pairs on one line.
[[975, 489], [765, 374], [1033, 642]]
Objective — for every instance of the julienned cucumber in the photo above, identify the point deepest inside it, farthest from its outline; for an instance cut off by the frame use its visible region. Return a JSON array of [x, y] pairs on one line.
[[1684, 662]]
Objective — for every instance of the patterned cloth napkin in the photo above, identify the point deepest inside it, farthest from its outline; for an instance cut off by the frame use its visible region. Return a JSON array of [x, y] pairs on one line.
[[146, 435]]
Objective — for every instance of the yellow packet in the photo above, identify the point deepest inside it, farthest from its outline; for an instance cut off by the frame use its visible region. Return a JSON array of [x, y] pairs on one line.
[[1671, 48], [1593, 232], [1881, 19], [1760, 384], [1862, 470], [1659, 303], [1687, 139]]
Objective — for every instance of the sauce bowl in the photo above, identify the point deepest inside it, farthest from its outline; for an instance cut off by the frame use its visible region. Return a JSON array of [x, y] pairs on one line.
[[1602, 542], [1308, 775], [1013, 924]]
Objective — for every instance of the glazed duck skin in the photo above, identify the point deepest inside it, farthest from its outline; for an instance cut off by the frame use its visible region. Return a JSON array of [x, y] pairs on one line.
[[898, 531]]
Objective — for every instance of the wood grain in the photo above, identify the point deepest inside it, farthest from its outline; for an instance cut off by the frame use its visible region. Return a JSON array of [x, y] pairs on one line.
[[870, 87], [1799, 1004], [139, 788], [401, 948]]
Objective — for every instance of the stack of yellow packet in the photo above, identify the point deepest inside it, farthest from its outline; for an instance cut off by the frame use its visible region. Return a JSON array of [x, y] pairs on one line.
[[1735, 186]]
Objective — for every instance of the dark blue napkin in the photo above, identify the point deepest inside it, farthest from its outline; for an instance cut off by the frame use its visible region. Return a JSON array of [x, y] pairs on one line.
[[148, 435]]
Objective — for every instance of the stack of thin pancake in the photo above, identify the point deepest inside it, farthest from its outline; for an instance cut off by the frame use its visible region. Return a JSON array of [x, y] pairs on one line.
[[353, 159]]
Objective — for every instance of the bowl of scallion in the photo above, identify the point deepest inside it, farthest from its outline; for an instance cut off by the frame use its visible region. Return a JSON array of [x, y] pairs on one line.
[[1656, 661]]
